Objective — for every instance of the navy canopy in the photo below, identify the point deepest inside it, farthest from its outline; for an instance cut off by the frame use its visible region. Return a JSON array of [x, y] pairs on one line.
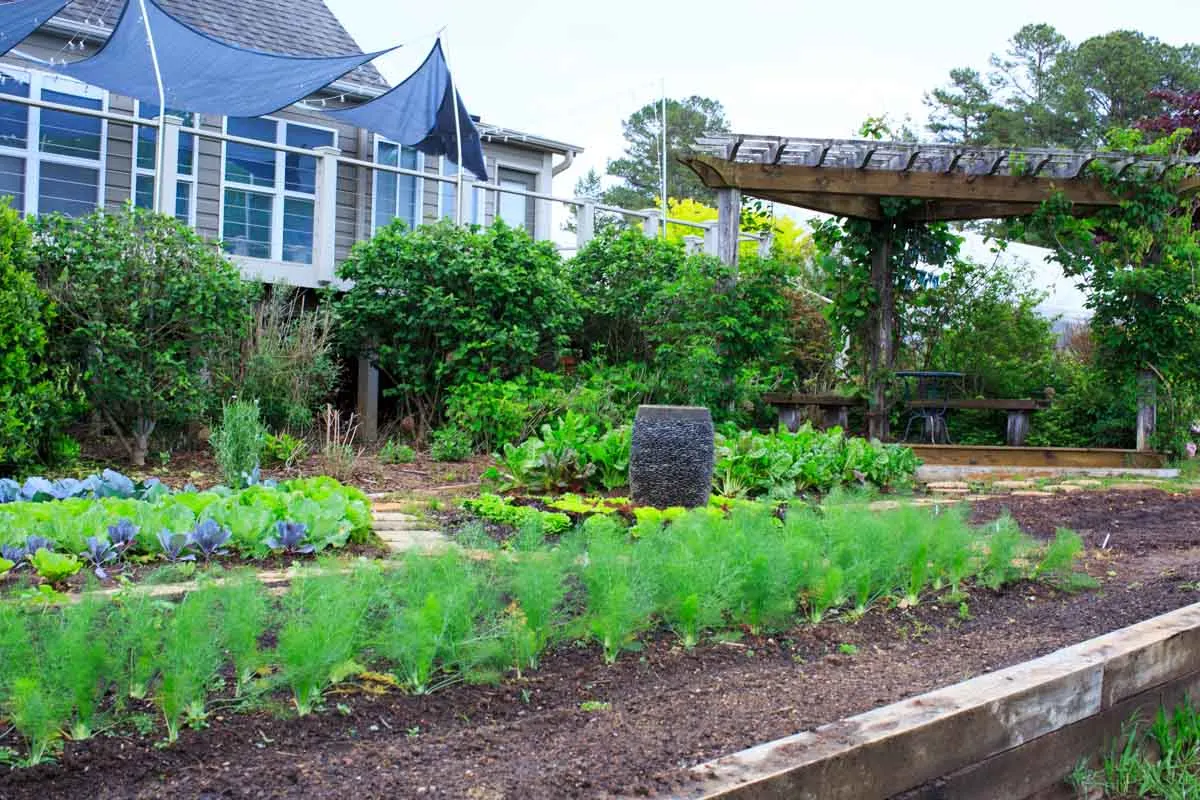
[[419, 112], [20, 18], [202, 74]]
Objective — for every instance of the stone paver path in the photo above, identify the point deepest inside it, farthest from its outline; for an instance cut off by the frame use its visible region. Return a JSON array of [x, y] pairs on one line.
[[402, 532]]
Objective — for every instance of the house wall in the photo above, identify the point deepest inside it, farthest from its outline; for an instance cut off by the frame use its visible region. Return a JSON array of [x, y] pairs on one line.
[[355, 207]]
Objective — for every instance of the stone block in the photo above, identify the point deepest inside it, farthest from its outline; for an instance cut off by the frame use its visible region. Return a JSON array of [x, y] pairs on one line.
[[671, 459]]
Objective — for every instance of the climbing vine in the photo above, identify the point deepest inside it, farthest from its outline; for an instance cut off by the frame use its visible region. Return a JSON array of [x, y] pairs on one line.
[[846, 245], [1138, 265]]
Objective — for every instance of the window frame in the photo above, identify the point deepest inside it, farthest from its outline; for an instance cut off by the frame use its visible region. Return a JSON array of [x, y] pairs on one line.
[[279, 193], [32, 153], [532, 208], [418, 190], [138, 171]]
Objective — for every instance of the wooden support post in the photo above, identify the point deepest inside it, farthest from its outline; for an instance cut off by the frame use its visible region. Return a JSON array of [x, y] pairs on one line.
[[585, 223], [1018, 428], [729, 220], [1147, 413], [324, 252], [368, 400], [790, 417], [169, 174], [881, 329]]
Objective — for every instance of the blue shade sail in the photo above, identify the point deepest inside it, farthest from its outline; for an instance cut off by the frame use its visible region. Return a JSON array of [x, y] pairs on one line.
[[202, 74], [418, 113], [20, 18]]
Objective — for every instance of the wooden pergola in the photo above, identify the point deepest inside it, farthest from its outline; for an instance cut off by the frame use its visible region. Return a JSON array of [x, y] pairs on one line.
[[951, 182]]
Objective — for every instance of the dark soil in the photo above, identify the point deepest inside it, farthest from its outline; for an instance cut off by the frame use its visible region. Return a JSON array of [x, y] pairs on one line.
[[667, 708], [1123, 521], [423, 475]]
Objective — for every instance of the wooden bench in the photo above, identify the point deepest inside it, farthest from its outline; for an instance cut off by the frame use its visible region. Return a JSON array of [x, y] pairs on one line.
[[1018, 411], [834, 409]]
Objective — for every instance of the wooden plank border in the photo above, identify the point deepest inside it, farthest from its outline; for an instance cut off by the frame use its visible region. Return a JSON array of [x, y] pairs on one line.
[[956, 730]]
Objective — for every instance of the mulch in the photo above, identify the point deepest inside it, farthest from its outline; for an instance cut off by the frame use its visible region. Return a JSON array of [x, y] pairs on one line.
[[667, 708]]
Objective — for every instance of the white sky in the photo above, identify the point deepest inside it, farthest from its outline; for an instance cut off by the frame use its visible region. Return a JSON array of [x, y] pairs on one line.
[[573, 70]]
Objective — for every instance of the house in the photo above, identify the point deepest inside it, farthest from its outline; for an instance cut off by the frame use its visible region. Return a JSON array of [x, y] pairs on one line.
[[265, 205]]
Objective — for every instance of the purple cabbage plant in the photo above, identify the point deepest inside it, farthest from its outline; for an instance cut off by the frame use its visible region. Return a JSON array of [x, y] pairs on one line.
[[210, 538], [290, 537], [174, 546], [122, 535], [99, 553]]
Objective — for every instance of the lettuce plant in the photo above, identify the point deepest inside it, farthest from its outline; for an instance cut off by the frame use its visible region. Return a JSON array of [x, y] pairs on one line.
[[55, 567]]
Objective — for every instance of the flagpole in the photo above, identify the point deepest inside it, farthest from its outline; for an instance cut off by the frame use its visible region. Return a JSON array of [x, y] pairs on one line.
[[162, 108], [458, 193]]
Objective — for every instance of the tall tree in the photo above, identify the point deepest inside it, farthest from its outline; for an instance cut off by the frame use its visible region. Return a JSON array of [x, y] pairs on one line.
[[1043, 91], [961, 111], [687, 120]]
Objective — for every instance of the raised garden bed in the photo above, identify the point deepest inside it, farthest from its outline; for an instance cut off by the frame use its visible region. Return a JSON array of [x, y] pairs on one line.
[[576, 728]]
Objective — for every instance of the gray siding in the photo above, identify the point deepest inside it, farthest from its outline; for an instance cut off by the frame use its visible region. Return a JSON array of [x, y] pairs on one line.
[[355, 203]]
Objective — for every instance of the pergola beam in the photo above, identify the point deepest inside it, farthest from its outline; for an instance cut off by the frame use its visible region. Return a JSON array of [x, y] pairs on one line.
[[963, 196]]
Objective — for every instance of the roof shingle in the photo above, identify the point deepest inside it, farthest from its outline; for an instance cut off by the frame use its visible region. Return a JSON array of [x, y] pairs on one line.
[[291, 27]]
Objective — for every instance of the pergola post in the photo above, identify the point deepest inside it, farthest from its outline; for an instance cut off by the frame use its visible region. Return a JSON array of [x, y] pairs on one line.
[[881, 321], [1147, 408], [729, 221], [324, 252]]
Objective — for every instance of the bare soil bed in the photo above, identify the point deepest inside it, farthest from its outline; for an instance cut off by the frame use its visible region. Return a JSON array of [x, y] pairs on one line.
[[667, 708]]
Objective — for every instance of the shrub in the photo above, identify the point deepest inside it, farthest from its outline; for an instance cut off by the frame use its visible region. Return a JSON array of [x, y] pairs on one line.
[[450, 444], [496, 412], [239, 441], [147, 311], [33, 400], [287, 362], [619, 276], [394, 452], [444, 305]]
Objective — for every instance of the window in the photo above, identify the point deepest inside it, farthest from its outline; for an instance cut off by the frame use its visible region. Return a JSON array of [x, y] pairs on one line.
[[51, 160], [448, 192], [146, 137], [397, 195], [516, 210], [269, 197]]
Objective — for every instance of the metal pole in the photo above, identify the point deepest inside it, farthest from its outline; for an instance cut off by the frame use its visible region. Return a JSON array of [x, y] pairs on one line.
[[663, 159], [458, 192], [162, 107]]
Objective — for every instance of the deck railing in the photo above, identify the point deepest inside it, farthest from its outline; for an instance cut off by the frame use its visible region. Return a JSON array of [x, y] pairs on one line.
[[322, 270]]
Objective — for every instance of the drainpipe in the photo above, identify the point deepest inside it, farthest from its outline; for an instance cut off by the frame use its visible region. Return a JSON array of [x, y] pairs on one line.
[[559, 169]]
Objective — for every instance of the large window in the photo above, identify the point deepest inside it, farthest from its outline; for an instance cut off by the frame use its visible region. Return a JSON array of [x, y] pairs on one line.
[[270, 196], [517, 210], [50, 160], [397, 195], [448, 193], [146, 137]]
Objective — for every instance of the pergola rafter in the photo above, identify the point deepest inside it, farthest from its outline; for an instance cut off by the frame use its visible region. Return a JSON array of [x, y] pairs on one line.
[[850, 178]]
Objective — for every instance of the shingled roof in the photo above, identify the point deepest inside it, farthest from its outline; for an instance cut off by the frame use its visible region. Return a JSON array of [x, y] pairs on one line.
[[293, 27]]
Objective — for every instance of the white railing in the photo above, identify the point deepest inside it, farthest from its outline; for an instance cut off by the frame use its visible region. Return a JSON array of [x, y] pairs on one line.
[[322, 271]]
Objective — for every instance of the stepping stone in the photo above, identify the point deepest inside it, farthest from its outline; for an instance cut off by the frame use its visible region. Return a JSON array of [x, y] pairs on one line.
[[1009, 486], [948, 485], [951, 490], [1136, 486], [1086, 483], [1032, 493], [398, 525], [1065, 488], [393, 516], [385, 507]]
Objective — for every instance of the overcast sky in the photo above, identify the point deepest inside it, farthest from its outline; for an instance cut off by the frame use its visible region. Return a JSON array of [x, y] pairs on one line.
[[573, 70]]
